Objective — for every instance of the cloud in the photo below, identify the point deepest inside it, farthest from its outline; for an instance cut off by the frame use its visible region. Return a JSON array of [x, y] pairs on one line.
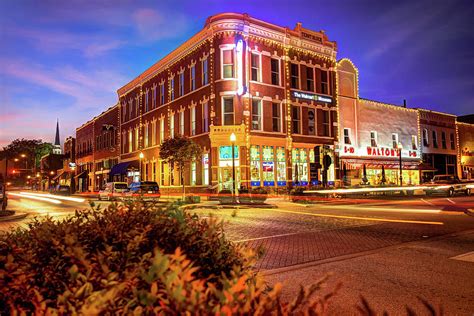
[[153, 25]]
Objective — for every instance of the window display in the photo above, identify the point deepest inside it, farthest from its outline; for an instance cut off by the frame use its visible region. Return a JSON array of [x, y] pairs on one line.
[[281, 166], [268, 166], [255, 165]]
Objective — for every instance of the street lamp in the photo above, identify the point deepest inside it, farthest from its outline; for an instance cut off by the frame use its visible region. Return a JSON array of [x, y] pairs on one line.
[[232, 140], [400, 147], [141, 156]]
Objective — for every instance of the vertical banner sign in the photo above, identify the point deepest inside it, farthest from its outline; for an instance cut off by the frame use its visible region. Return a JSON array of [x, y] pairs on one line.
[[240, 51]]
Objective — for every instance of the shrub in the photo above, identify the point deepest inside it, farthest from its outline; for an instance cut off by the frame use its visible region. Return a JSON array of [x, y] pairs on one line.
[[225, 196], [130, 259]]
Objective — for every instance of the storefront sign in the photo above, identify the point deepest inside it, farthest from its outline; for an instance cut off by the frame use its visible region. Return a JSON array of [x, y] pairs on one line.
[[311, 96], [377, 152], [311, 37]]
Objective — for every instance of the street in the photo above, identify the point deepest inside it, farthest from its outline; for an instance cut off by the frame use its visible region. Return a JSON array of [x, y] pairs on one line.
[[399, 248]]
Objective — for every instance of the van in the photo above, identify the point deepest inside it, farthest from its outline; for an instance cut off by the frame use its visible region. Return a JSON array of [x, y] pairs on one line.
[[113, 191]]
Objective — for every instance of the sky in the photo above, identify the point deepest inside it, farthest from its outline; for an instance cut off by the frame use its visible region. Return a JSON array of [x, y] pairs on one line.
[[66, 59]]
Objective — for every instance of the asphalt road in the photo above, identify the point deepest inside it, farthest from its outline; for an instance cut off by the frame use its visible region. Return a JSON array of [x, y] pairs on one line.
[[390, 251]]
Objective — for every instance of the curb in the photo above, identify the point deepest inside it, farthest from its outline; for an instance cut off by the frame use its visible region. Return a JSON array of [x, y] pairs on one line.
[[13, 217]]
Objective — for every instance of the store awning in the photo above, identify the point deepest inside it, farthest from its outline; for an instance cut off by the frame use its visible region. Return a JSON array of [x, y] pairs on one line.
[[121, 168], [83, 174], [387, 164]]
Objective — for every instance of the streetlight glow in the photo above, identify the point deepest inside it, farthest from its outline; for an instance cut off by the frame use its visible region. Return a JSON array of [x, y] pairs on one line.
[[141, 155], [233, 138]]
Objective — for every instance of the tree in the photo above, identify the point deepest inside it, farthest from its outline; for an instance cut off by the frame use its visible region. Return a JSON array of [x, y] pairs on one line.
[[179, 151], [34, 149]]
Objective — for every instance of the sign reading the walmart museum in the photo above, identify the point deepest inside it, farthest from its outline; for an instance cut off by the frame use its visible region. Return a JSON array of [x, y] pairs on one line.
[[311, 96]]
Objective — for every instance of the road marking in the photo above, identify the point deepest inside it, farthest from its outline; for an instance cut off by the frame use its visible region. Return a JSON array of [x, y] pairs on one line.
[[362, 218], [428, 202], [39, 198], [451, 201], [392, 209], [267, 237], [469, 256]]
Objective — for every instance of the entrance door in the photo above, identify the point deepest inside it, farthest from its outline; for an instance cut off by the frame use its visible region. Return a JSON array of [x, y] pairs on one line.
[[225, 178]]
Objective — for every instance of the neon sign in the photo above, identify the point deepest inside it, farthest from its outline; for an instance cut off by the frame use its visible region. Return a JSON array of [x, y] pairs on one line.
[[311, 96], [239, 48]]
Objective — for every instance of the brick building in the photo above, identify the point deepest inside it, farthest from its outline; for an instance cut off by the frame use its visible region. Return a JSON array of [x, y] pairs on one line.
[[271, 86], [465, 140], [85, 157]]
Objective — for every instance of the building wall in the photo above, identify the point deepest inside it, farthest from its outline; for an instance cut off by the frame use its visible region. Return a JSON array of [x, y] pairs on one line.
[[466, 150]]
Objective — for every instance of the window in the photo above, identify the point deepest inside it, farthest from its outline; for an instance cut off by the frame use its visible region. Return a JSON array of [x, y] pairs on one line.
[[347, 136], [443, 140], [309, 79], [311, 122], [162, 173], [255, 67], [130, 108], [275, 64], [130, 141], [205, 118], [162, 130], [124, 111], [153, 133], [193, 77], [162, 93], [137, 138], [325, 123], [181, 84], [137, 105], [228, 111], [435, 139], [373, 139], [324, 82], [193, 173], [146, 134], [228, 63], [172, 126], [451, 140], [146, 100], [394, 140], [154, 97], [414, 142], [181, 123], [205, 167], [295, 116], [276, 117], [193, 120], [294, 76], [172, 89], [205, 73], [426, 141], [256, 114]]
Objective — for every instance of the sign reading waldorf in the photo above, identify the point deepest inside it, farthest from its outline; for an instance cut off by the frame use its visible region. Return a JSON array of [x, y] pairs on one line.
[[377, 152], [311, 96]]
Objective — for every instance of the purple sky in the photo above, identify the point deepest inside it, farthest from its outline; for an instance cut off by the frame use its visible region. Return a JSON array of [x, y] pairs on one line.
[[66, 59]]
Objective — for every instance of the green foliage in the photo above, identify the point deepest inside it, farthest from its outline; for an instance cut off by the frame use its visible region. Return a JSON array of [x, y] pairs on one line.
[[128, 259], [34, 149], [179, 150]]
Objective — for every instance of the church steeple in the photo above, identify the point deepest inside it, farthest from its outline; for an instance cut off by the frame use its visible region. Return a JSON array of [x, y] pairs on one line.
[[57, 142]]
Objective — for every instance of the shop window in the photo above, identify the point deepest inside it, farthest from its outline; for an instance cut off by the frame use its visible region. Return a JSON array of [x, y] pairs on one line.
[[205, 72], [434, 135], [255, 165], [162, 93], [205, 168], [268, 166], [181, 84], [300, 167], [325, 123], [311, 121], [228, 63], [192, 75], [324, 82], [275, 65], [426, 141], [181, 123], [414, 142], [295, 111], [309, 78], [162, 130], [172, 89], [394, 140], [193, 173], [373, 139], [443, 140], [205, 117], [172, 125], [276, 117], [295, 76], [347, 136], [228, 111], [193, 120], [281, 166], [256, 114], [255, 67], [451, 140]]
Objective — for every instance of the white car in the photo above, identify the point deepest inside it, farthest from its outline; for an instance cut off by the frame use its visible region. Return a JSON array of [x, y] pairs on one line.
[[113, 191]]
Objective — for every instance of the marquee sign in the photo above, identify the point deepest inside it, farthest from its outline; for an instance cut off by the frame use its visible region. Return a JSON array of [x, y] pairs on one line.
[[311, 96], [377, 152]]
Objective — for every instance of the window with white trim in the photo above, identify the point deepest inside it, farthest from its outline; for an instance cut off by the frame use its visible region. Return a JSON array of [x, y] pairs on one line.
[[276, 117], [146, 100], [443, 140], [162, 93], [256, 114], [137, 138], [296, 118], [295, 77], [172, 125], [181, 123], [192, 74], [130, 141], [324, 82], [205, 71], [255, 64], [309, 78], [205, 169], [145, 131], [181, 84], [205, 117], [228, 63], [153, 133], [193, 173], [347, 136], [153, 97], [435, 139], [193, 120], [275, 69], [172, 89], [394, 140], [227, 111], [162, 130], [325, 120], [426, 141], [311, 121], [373, 138]]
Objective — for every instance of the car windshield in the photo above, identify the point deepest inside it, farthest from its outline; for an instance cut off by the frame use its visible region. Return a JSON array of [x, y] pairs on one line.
[[149, 186], [120, 186]]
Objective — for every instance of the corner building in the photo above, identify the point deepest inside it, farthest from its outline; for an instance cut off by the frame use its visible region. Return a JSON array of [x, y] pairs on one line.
[[271, 86]]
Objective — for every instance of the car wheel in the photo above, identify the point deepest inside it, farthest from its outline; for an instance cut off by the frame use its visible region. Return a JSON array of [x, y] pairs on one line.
[[468, 192], [451, 192]]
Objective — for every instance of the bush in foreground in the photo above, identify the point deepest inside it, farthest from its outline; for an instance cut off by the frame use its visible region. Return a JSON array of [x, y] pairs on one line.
[[132, 259]]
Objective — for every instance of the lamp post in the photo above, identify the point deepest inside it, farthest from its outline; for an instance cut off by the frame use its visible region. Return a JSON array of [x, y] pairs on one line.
[[141, 156], [400, 147], [72, 184], [232, 140]]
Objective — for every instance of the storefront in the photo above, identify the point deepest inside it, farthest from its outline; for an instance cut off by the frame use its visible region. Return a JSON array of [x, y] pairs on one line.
[[267, 166]]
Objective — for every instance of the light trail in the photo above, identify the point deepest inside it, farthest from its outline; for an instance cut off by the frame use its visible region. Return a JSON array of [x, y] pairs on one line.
[[387, 209], [39, 198], [356, 190], [57, 197]]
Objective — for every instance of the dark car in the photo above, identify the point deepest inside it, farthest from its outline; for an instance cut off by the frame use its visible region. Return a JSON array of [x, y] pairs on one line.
[[61, 189], [148, 190]]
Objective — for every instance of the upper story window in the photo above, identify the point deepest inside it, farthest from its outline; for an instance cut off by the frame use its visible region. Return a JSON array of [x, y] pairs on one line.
[[181, 123], [205, 117], [137, 138], [295, 76], [394, 140], [227, 111], [295, 119], [256, 114], [228, 63], [205, 72], [172, 125], [255, 67], [192, 74], [373, 139], [145, 132], [276, 117], [130, 141], [347, 136], [162, 93], [193, 120], [153, 97], [414, 142], [311, 121], [426, 141], [434, 135], [443, 140], [162, 130], [324, 82], [309, 79], [325, 123], [275, 65], [181, 84], [153, 133], [146, 100], [451, 140], [172, 89], [130, 108]]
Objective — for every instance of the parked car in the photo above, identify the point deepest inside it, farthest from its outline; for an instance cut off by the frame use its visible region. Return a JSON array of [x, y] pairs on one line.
[[447, 185], [113, 191], [147, 190], [61, 189]]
